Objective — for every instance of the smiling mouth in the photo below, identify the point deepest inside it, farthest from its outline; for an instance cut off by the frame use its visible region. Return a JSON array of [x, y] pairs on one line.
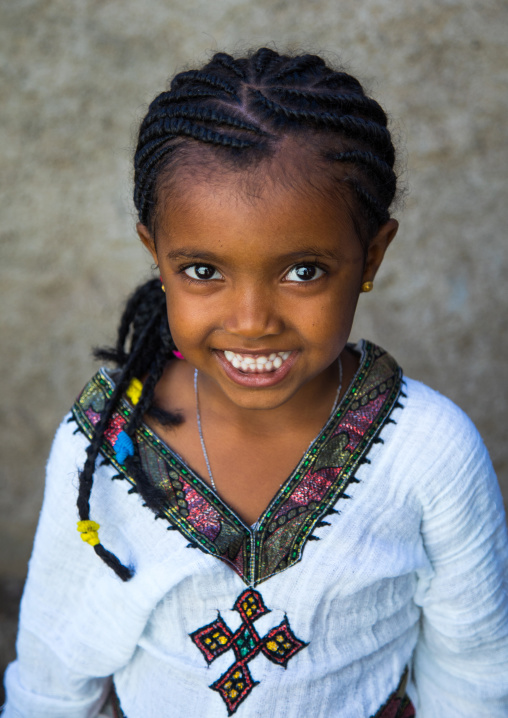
[[256, 364]]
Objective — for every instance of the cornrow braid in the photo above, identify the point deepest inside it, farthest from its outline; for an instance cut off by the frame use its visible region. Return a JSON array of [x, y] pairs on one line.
[[237, 67], [351, 127], [261, 62], [298, 66], [340, 102], [373, 164], [145, 175], [340, 80], [381, 174], [376, 209], [206, 79], [201, 114], [241, 109], [174, 126], [230, 102], [178, 96]]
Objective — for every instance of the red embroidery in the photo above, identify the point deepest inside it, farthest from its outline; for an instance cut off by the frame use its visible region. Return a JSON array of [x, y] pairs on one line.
[[279, 646]]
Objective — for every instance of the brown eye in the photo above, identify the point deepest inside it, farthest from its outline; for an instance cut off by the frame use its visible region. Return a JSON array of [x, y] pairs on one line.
[[202, 272], [304, 273]]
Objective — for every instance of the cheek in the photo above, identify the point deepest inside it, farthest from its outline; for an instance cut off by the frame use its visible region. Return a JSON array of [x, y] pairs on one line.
[[329, 321], [188, 321]]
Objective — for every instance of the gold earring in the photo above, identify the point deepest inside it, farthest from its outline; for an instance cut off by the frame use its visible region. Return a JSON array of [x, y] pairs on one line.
[[367, 286], [163, 288]]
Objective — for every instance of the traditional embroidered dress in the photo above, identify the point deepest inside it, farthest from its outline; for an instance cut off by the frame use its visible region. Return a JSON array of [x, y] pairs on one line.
[[408, 571]]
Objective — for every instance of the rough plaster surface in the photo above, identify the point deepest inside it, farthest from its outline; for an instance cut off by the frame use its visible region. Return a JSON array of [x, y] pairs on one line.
[[76, 78]]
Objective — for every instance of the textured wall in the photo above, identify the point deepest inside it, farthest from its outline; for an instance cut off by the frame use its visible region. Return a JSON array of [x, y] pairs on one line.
[[77, 76]]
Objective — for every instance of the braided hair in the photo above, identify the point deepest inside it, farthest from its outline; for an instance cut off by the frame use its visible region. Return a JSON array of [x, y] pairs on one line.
[[241, 109]]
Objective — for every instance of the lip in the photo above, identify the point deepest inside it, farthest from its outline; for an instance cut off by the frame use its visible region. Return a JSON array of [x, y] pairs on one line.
[[265, 379]]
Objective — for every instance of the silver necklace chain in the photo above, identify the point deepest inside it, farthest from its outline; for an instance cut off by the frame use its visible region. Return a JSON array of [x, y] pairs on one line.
[[200, 429]]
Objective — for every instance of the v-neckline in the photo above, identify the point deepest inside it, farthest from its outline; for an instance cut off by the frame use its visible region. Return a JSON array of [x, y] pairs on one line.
[[252, 528], [299, 506]]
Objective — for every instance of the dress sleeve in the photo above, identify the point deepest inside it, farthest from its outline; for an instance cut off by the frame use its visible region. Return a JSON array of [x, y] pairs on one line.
[[460, 667], [70, 639]]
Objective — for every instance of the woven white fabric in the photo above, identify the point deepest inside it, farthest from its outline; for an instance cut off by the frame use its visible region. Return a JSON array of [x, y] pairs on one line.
[[410, 572]]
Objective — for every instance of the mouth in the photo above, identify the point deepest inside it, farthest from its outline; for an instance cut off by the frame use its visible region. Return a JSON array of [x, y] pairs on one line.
[[256, 363], [256, 370]]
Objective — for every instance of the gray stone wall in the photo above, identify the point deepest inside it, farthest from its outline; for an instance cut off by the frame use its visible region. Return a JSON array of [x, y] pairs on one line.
[[76, 78]]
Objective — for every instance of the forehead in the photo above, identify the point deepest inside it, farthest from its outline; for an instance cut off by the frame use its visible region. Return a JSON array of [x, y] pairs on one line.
[[283, 204]]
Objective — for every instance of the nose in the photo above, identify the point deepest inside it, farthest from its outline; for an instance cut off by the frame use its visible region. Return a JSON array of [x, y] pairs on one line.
[[253, 313]]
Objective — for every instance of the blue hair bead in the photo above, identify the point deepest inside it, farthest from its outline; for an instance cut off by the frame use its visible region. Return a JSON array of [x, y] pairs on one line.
[[123, 447]]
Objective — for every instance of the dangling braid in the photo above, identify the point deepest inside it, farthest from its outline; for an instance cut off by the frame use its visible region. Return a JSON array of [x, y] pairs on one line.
[[144, 326], [241, 108]]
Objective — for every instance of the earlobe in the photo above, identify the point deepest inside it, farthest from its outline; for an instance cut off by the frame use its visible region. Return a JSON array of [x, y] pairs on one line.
[[376, 252], [147, 239]]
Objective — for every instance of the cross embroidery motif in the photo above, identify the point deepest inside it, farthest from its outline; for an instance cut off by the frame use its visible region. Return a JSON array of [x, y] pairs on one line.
[[279, 645]]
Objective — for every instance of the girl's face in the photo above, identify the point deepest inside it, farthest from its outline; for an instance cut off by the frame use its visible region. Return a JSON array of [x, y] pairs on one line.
[[261, 285]]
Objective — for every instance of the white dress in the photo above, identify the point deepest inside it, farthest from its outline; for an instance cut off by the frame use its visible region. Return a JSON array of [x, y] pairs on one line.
[[410, 570]]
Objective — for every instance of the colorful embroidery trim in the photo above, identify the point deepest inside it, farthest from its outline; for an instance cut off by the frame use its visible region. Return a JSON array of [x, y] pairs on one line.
[[299, 507], [279, 646]]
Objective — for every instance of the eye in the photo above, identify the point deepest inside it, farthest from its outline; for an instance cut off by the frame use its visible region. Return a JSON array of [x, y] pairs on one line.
[[304, 273], [202, 272]]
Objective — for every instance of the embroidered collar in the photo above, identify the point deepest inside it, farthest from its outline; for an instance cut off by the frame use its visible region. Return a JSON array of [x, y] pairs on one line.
[[299, 506]]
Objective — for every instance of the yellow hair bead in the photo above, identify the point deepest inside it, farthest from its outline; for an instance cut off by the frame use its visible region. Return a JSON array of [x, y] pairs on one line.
[[134, 391], [88, 531]]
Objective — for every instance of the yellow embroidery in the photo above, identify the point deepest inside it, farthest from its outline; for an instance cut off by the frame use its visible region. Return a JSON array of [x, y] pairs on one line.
[[134, 391], [279, 646], [88, 531]]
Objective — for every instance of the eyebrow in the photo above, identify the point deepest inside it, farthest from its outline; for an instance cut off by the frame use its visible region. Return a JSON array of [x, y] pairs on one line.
[[196, 253], [311, 252], [191, 254]]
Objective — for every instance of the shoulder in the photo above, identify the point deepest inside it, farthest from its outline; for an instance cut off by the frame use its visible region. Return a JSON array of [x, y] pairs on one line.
[[92, 398], [439, 448], [92, 401], [431, 447], [429, 413], [76, 429], [426, 423]]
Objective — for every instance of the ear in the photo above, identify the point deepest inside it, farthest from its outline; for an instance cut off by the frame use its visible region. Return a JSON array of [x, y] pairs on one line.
[[377, 248], [147, 239]]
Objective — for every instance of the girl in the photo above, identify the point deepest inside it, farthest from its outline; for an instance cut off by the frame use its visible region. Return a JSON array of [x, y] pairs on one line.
[[350, 532]]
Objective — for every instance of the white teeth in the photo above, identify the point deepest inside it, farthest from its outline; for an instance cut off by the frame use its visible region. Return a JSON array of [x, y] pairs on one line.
[[256, 364]]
